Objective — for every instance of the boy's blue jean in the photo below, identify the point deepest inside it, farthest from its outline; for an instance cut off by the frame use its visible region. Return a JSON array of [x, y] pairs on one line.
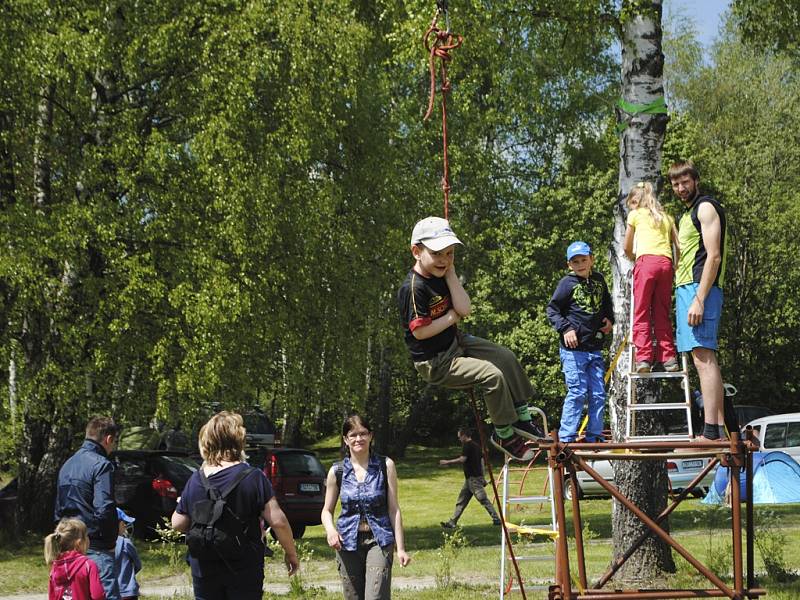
[[107, 570], [583, 374]]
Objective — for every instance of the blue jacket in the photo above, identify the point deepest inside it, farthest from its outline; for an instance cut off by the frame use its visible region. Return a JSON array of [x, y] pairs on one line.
[[86, 492], [128, 564], [364, 501]]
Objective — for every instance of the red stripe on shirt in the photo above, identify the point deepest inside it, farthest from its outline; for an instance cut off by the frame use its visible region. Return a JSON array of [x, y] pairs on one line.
[[419, 322]]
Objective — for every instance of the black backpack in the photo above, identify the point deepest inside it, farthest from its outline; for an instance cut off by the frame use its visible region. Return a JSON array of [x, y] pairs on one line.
[[217, 533]]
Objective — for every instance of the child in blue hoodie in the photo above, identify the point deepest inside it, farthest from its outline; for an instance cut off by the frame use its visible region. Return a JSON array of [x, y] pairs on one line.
[[582, 313], [127, 559]]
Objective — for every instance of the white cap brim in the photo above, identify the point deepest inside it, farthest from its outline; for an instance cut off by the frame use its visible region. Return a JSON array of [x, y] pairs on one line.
[[440, 243]]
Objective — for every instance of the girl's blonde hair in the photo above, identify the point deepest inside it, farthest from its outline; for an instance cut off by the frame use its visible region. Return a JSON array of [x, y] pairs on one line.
[[222, 438], [70, 534], [642, 196]]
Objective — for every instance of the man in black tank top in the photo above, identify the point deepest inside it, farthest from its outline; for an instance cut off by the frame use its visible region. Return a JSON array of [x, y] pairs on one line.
[[699, 277]]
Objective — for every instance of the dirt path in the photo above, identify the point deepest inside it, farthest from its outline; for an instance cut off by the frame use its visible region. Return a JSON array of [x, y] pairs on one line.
[[169, 588]]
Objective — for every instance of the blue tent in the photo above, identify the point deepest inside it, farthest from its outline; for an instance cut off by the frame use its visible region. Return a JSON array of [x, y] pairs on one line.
[[776, 480]]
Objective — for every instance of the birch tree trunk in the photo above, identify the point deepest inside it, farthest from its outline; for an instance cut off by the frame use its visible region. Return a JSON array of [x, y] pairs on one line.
[[383, 408], [7, 198], [645, 483], [8, 184], [41, 152], [47, 427]]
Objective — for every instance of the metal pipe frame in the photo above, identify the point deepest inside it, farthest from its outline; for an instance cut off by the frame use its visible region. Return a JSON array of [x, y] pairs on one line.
[[569, 457], [615, 566]]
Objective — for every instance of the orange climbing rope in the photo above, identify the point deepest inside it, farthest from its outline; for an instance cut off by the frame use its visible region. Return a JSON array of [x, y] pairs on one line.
[[438, 43], [487, 462]]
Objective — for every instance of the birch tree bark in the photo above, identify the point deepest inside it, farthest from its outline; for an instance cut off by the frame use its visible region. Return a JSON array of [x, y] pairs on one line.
[[383, 407], [46, 425], [644, 482]]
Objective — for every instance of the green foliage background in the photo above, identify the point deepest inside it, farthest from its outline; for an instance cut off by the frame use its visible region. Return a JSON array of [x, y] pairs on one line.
[[219, 210]]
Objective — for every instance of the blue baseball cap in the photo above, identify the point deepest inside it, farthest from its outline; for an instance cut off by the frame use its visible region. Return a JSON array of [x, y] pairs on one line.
[[578, 249], [121, 516]]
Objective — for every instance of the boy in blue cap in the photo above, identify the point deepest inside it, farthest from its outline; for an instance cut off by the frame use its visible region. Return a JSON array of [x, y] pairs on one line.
[[432, 302], [582, 313], [127, 559]]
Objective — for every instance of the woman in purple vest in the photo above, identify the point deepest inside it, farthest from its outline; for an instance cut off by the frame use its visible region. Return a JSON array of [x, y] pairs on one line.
[[369, 528]]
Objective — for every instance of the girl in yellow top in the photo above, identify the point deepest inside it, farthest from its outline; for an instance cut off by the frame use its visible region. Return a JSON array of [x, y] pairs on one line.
[[655, 235]]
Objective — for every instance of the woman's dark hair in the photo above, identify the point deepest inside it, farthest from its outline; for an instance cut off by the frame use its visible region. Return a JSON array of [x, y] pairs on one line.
[[350, 422]]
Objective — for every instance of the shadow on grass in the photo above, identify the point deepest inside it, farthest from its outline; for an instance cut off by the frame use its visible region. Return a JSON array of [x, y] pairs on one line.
[[28, 547], [781, 590]]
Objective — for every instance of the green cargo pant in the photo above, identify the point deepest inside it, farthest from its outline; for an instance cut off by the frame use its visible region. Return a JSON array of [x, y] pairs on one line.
[[473, 486], [366, 573], [472, 361]]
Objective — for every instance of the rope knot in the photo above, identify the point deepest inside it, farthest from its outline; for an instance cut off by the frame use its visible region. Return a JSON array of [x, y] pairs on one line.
[[438, 44]]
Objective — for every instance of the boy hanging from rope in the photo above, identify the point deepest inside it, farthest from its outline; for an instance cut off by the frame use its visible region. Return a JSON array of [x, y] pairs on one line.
[[432, 301]]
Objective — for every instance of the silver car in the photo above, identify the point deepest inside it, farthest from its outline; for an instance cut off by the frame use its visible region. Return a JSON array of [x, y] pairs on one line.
[[779, 432], [681, 472]]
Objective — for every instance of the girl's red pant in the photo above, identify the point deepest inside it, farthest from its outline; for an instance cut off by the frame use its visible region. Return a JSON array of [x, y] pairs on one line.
[[652, 302]]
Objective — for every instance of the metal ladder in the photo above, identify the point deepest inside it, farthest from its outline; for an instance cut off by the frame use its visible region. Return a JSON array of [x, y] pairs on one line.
[[509, 500], [632, 407]]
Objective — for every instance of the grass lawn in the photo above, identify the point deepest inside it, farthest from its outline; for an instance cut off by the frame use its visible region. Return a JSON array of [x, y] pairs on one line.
[[427, 496]]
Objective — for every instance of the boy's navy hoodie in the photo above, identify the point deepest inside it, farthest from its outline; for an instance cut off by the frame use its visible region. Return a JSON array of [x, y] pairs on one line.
[[581, 304]]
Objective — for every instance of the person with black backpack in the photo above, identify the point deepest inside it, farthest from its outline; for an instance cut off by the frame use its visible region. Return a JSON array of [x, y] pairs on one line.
[[370, 527], [220, 511]]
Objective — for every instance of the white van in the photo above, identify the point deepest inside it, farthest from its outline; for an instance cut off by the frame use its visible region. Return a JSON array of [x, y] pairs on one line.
[[779, 432]]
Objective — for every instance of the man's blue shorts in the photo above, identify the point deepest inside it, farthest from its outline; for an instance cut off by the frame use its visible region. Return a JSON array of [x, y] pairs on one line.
[[705, 334]]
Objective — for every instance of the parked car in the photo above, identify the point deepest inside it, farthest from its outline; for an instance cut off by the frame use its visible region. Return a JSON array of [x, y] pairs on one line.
[[750, 412], [147, 484], [298, 480], [681, 472], [260, 429], [779, 432]]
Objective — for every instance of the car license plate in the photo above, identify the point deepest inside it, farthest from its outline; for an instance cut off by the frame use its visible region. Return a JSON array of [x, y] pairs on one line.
[[309, 487], [692, 464]]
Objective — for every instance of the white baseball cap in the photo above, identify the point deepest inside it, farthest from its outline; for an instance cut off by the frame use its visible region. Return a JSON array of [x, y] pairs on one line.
[[434, 233]]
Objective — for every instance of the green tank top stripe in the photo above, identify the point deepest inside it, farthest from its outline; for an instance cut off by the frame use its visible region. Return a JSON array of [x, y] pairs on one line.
[[693, 252]]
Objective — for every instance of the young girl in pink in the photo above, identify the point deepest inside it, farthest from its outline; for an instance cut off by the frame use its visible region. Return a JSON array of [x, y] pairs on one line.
[[655, 235], [73, 575]]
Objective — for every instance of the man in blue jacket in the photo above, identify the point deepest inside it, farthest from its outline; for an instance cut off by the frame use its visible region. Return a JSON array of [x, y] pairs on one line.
[[86, 492]]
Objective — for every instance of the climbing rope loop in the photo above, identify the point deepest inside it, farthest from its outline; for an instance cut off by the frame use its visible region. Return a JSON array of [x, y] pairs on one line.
[[438, 44]]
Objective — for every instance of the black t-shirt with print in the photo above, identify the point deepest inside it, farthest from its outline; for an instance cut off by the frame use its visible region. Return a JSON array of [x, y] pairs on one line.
[[422, 300], [473, 467]]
